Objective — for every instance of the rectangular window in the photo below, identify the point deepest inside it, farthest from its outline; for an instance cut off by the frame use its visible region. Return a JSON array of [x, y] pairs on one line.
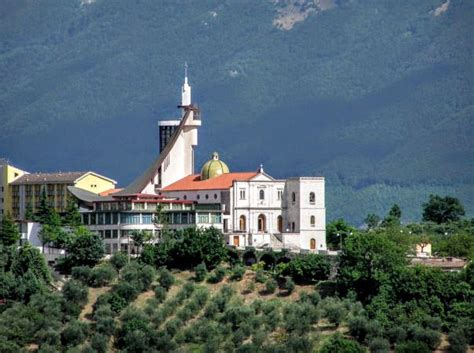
[[216, 218], [108, 218], [280, 194], [203, 218], [93, 219], [107, 234], [115, 233], [100, 218], [242, 194], [146, 219]]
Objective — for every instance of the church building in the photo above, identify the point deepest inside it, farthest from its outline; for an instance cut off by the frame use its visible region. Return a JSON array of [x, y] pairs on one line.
[[251, 207]]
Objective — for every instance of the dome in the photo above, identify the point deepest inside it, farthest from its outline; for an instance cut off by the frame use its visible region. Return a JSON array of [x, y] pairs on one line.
[[213, 168]]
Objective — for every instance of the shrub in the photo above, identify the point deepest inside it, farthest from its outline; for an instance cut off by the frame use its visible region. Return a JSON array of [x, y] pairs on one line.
[[379, 345], [99, 343], [334, 311], [412, 347], [81, 273], [75, 333], [160, 294], [200, 272], [358, 328], [104, 320], [102, 275], [166, 279], [396, 334], [337, 343], [271, 286], [250, 287], [430, 337], [237, 273], [217, 276], [308, 268], [75, 292], [260, 276], [126, 290], [289, 285], [119, 260], [457, 341]]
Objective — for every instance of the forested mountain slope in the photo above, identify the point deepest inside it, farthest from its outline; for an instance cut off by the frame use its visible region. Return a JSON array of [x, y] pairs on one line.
[[375, 95]]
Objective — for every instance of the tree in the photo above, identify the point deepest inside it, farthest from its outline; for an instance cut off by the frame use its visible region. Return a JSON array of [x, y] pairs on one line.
[[44, 213], [72, 217], [394, 216], [85, 249], [337, 231], [9, 233], [372, 220], [29, 258], [141, 237], [442, 209], [367, 262], [337, 343], [307, 268]]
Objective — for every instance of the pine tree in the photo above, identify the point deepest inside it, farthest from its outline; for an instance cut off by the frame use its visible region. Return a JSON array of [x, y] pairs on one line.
[[9, 233], [73, 217], [44, 214]]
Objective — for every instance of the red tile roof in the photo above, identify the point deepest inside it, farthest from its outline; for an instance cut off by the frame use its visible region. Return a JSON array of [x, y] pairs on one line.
[[194, 182], [109, 192]]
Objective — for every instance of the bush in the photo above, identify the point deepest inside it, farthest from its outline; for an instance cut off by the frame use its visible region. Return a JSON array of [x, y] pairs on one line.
[[217, 276], [334, 311], [75, 333], [200, 272], [102, 275], [237, 273], [430, 337], [412, 347], [379, 345], [160, 294], [119, 260], [396, 334], [75, 292], [271, 286], [166, 279], [308, 268], [337, 343], [260, 276], [250, 287], [457, 341], [289, 285], [126, 290], [99, 343], [358, 328], [81, 273]]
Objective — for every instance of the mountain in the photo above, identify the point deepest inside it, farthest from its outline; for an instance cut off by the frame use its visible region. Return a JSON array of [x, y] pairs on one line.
[[375, 95]]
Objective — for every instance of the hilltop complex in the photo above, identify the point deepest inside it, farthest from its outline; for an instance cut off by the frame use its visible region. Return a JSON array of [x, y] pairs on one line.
[[251, 208]]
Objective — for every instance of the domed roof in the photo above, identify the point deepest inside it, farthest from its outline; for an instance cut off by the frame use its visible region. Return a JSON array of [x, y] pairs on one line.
[[213, 168]]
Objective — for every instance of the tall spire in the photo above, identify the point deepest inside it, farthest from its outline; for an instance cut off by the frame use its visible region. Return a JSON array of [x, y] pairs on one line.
[[186, 90]]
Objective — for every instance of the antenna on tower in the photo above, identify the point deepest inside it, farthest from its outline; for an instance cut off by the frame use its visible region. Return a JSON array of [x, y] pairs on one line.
[[186, 71]]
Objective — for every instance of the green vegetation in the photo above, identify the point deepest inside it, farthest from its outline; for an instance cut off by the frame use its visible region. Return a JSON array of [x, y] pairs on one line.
[[285, 302]]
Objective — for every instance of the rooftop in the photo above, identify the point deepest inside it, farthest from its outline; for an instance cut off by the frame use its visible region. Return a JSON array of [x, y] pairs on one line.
[[221, 182], [55, 178]]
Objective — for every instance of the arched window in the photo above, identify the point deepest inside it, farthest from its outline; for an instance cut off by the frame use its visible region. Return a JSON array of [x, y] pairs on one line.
[[262, 223], [312, 221], [280, 224], [262, 195], [242, 223], [293, 197], [312, 244], [312, 198]]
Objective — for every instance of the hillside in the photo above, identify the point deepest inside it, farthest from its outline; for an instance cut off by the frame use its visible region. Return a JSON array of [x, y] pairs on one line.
[[377, 96]]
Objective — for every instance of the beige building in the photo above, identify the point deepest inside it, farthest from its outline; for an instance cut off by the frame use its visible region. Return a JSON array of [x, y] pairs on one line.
[[26, 190], [8, 174]]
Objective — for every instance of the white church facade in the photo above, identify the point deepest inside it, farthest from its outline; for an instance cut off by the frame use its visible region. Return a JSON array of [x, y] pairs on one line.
[[251, 208]]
